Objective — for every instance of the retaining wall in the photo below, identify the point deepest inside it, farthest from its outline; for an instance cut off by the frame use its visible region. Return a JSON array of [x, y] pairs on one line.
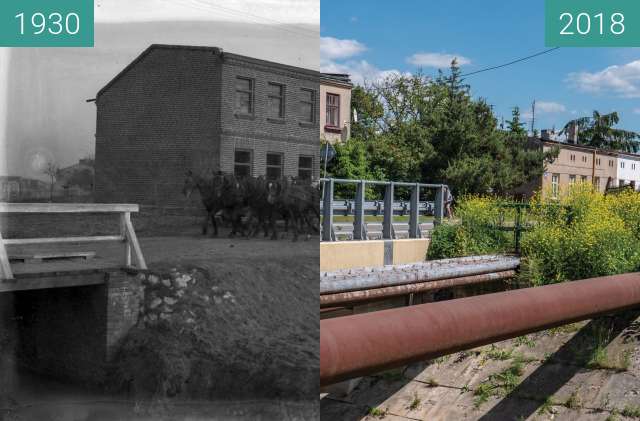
[[371, 253]]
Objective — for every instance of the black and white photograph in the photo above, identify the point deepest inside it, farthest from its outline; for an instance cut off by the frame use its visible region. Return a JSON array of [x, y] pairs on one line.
[[159, 216]]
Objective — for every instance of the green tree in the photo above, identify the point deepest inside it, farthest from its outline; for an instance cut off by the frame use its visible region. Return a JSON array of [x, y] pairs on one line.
[[515, 125], [413, 128], [598, 131]]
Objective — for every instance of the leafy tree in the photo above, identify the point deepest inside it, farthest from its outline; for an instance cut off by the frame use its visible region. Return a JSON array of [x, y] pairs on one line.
[[598, 131], [514, 125], [419, 129]]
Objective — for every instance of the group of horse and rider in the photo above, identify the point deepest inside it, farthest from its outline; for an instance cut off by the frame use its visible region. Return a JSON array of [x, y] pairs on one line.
[[250, 204]]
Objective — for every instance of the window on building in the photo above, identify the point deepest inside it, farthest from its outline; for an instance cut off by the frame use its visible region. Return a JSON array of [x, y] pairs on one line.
[[276, 100], [555, 179], [583, 178], [572, 180], [244, 95], [274, 165], [598, 161], [633, 166], [621, 164], [573, 157], [584, 159], [243, 162], [333, 110], [596, 183], [305, 167], [307, 105], [610, 163]]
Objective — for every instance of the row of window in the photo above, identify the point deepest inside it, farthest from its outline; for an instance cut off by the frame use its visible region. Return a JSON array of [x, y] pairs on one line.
[[555, 182], [572, 158], [276, 98], [243, 165]]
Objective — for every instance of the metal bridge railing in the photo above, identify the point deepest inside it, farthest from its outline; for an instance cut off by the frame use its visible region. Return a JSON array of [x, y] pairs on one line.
[[388, 207]]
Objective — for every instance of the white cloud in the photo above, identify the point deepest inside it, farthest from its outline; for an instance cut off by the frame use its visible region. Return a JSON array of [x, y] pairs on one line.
[[361, 71], [336, 49], [438, 60], [622, 80], [550, 107]]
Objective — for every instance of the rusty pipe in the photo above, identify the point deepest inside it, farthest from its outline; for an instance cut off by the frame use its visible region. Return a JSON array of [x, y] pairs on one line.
[[352, 297], [362, 344]]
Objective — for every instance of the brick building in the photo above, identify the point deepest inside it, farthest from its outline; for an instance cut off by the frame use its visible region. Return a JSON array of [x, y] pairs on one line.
[[335, 107], [179, 108]]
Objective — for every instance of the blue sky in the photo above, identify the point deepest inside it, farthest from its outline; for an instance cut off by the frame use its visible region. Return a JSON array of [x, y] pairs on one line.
[[369, 39]]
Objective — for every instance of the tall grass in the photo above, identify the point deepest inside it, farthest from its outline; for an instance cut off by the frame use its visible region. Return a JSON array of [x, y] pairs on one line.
[[580, 235]]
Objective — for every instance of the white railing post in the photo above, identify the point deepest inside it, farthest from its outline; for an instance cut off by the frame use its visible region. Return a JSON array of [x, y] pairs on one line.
[[124, 216], [5, 267]]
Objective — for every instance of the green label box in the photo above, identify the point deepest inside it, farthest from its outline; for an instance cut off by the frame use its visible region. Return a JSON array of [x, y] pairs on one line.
[[592, 23], [46, 23]]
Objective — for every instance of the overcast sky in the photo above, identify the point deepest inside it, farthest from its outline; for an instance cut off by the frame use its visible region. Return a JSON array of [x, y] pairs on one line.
[[43, 113]]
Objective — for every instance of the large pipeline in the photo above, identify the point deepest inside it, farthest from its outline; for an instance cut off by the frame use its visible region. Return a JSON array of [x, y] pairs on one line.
[[369, 278], [354, 297], [358, 345]]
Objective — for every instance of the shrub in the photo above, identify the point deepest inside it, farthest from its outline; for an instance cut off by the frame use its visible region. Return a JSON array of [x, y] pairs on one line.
[[475, 232], [583, 234]]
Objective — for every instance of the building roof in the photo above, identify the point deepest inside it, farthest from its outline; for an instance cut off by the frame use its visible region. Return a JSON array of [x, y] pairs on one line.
[[337, 78], [583, 147], [213, 50]]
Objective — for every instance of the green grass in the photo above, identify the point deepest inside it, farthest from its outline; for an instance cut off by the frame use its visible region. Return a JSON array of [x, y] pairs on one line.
[[415, 403], [500, 384], [498, 354], [377, 412], [631, 411], [574, 401]]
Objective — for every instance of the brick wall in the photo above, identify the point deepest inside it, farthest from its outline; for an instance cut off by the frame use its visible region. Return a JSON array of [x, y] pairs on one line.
[[173, 110], [158, 120]]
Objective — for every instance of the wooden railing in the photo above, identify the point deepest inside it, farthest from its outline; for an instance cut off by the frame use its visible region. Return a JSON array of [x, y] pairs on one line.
[[127, 234]]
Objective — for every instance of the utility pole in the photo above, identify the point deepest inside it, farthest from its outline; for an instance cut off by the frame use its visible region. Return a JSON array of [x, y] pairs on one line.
[[533, 116]]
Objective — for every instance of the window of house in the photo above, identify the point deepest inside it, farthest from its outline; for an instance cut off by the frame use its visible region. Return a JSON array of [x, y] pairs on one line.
[[333, 110], [596, 183], [598, 161], [573, 157], [244, 95], [633, 166], [583, 178], [307, 105], [620, 183], [276, 100], [584, 159], [572, 179], [243, 161], [555, 178], [610, 163], [621, 164], [274, 165], [305, 167]]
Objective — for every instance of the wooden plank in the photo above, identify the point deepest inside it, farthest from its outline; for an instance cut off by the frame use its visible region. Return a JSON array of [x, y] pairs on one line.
[[5, 266], [53, 255], [67, 207], [92, 239], [53, 281], [123, 231], [133, 241]]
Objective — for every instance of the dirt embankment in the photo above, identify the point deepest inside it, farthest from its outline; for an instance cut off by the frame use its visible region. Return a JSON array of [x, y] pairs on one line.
[[234, 327]]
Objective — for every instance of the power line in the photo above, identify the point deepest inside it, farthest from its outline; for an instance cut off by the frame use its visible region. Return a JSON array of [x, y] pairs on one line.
[[511, 62], [284, 27]]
